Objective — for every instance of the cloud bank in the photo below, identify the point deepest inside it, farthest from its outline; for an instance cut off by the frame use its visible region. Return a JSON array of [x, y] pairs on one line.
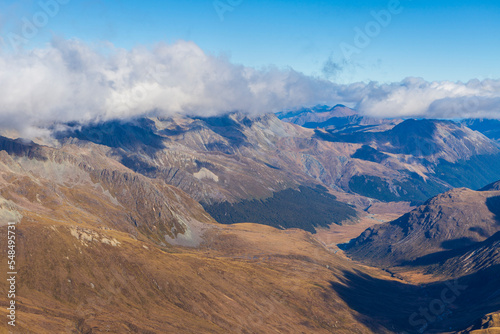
[[415, 97], [70, 81]]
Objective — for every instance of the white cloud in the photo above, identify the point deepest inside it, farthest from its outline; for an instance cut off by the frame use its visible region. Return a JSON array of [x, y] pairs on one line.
[[415, 97], [70, 81]]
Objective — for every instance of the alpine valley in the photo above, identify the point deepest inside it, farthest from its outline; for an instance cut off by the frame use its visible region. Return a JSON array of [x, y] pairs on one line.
[[317, 220]]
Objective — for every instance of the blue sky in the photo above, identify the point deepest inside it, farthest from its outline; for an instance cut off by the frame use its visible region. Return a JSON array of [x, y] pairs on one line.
[[95, 60], [436, 40]]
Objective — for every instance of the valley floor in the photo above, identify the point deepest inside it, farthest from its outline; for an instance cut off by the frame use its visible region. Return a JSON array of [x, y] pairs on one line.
[[244, 278]]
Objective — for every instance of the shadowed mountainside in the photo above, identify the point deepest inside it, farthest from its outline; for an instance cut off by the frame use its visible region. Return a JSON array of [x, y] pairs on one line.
[[492, 187], [443, 225], [489, 127], [447, 306], [101, 248], [235, 158], [106, 242]]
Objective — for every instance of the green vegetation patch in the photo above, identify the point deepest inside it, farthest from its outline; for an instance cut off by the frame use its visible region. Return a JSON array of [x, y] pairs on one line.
[[368, 153], [414, 189], [474, 173], [305, 208]]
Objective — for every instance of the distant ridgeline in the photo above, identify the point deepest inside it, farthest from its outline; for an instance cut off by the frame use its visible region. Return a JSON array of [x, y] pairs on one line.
[[388, 160], [424, 142]]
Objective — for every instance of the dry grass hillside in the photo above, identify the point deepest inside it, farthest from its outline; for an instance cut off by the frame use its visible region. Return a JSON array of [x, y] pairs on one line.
[[83, 278], [103, 249]]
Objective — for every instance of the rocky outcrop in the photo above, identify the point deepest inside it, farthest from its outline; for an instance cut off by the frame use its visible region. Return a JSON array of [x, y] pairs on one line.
[[82, 181], [249, 157], [434, 231]]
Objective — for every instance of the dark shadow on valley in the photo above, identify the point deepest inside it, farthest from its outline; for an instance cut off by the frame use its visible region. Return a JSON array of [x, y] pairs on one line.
[[457, 243], [493, 204], [440, 257], [479, 230], [397, 306]]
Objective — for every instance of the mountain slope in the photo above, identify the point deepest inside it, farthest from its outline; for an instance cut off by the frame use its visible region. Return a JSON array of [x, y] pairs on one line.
[[450, 245], [226, 160], [82, 181], [106, 244], [79, 277], [86, 267], [446, 223], [492, 187], [469, 260], [101, 248], [431, 155], [305, 208], [486, 325], [430, 139], [235, 158], [489, 127]]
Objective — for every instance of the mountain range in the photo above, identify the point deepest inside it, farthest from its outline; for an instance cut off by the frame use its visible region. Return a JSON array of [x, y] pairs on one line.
[[212, 224]]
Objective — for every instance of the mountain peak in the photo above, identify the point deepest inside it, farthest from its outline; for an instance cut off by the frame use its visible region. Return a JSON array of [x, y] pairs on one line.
[[448, 222]]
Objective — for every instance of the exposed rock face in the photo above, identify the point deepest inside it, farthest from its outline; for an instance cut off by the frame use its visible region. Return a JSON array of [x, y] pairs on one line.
[[489, 127], [445, 224], [99, 244], [468, 260], [81, 181], [103, 219], [236, 157]]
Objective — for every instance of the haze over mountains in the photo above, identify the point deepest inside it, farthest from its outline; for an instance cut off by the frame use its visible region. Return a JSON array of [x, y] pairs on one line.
[[165, 217]]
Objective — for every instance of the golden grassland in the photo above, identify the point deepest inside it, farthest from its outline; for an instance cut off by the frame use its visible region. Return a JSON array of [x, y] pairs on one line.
[[92, 257], [245, 279]]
